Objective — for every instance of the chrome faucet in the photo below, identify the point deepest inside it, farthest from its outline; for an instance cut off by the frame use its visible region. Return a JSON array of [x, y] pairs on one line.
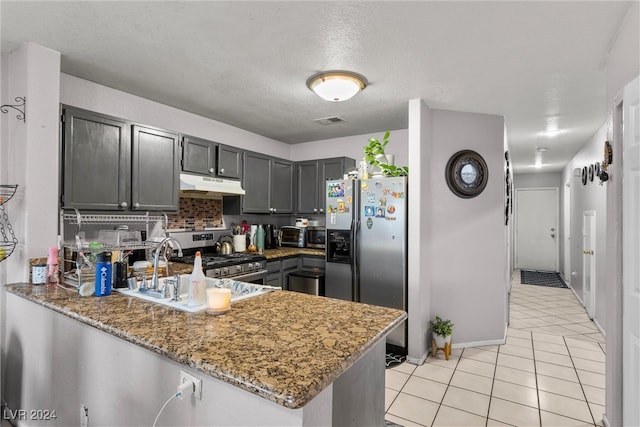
[[155, 283]]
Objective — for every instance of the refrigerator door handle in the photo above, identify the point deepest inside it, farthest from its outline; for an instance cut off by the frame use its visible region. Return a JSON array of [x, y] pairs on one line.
[[355, 231]]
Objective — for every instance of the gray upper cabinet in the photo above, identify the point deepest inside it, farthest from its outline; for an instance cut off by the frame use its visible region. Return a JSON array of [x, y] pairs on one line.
[[268, 183], [256, 181], [154, 171], [311, 178], [198, 156], [110, 164], [282, 193], [96, 161], [307, 187], [229, 162]]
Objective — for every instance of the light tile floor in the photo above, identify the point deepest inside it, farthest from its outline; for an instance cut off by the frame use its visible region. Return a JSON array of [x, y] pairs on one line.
[[550, 372]]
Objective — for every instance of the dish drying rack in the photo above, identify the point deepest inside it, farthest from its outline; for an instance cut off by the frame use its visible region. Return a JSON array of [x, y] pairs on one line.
[[76, 271]]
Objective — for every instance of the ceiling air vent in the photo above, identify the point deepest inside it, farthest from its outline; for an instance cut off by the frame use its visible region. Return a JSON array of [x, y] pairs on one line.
[[330, 120]]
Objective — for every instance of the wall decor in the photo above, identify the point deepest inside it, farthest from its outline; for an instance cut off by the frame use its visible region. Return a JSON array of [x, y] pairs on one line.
[[584, 175], [19, 107], [591, 173], [608, 153], [466, 174]]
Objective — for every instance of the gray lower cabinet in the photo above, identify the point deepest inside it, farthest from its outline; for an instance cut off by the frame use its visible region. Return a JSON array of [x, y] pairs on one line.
[[198, 156], [268, 183], [154, 172], [96, 161], [311, 176], [110, 164]]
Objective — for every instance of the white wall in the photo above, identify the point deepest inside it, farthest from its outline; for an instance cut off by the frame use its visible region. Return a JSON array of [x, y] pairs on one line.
[[468, 235], [590, 197], [419, 257], [102, 99], [623, 65], [352, 146], [537, 180], [31, 159]]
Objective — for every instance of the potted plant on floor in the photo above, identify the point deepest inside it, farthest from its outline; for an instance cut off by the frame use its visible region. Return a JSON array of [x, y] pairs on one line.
[[441, 330]]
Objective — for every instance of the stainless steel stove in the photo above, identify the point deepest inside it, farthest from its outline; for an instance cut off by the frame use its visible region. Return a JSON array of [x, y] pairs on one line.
[[241, 266]]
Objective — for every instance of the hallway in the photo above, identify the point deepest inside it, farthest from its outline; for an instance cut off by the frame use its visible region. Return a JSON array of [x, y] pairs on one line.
[[551, 372]]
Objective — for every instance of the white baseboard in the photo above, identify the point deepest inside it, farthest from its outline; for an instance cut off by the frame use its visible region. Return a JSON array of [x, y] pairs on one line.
[[595, 321], [605, 420]]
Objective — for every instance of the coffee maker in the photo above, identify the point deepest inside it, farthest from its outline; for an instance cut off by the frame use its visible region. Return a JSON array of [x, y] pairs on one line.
[[270, 236]]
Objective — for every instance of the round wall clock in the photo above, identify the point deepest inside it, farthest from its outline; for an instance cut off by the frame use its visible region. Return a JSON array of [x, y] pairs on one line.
[[596, 169], [591, 173], [584, 175], [466, 174]]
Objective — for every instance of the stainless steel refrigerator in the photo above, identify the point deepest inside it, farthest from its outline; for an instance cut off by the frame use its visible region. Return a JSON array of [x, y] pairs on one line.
[[366, 247]]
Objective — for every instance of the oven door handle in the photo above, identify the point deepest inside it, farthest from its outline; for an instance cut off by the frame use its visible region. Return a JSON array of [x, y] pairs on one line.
[[249, 276]]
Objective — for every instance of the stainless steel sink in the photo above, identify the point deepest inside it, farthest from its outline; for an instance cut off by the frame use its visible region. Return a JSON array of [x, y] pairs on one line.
[[239, 292]]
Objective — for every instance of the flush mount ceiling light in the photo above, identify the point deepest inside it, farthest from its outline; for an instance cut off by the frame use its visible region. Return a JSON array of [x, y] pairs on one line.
[[336, 85]]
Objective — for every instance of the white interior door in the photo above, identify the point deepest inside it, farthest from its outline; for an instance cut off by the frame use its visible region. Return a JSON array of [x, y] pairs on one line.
[[589, 262], [567, 234], [631, 254], [537, 229]]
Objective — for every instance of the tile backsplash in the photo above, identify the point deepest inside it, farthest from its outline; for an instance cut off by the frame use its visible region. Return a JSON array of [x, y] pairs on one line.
[[197, 214]]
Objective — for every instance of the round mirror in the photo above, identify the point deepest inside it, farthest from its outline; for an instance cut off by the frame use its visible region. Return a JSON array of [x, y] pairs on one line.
[[468, 174]]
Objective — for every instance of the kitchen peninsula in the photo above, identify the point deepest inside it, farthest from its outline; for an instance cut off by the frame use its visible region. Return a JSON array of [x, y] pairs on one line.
[[283, 358]]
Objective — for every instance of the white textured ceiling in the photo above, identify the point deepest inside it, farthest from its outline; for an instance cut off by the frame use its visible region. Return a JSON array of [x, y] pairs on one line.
[[537, 63]]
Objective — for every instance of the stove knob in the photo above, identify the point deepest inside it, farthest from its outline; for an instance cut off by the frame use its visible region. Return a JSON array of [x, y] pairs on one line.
[[216, 272], [249, 266], [225, 271], [238, 269], [257, 265]]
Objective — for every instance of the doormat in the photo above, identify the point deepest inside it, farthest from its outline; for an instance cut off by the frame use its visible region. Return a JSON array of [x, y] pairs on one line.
[[394, 359], [542, 278]]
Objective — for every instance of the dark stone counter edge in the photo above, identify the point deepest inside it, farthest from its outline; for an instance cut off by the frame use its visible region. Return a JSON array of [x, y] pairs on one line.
[[288, 401]]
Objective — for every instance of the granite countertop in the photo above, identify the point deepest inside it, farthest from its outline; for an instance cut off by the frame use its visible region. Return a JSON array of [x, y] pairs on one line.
[[286, 252], [283, 346]]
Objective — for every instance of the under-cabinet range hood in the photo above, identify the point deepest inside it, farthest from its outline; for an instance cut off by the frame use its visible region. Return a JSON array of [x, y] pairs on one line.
[[206, 187]]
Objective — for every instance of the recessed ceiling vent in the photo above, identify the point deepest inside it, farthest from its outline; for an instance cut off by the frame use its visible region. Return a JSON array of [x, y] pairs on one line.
[[330, 120]]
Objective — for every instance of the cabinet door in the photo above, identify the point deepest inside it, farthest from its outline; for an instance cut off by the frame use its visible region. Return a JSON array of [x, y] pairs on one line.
[[154, 171], [282, 193], [96, 161], [229, 162], [256, 179], [198, 156], [307, 188], [331, 169]]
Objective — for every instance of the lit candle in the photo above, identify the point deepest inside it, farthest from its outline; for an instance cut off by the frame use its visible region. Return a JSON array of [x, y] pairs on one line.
[[218, 299]]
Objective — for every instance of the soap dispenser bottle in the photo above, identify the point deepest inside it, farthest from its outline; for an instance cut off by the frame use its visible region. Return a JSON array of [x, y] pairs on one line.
[[197, 284]]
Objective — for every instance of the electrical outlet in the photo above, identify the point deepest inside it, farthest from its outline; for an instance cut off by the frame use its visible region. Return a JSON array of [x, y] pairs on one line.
[[185, 376], [84, 416]]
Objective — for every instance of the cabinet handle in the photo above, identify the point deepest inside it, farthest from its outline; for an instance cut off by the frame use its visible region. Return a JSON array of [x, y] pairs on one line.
[[315, 209], [321, 210], [123, 205], [136, 205], [211, 170], [221, 170]]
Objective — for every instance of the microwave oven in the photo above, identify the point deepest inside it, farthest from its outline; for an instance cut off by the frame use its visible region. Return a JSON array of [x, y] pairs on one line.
[[316, 236], [292, 236]]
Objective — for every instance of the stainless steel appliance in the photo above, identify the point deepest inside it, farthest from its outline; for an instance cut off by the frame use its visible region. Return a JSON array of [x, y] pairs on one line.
[[366, 249], [293, 236], [307, 282], [270, 236], [244, 267], [316, 236]]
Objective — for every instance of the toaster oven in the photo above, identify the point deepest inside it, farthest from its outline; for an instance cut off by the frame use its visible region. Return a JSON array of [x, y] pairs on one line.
[[293, 236]]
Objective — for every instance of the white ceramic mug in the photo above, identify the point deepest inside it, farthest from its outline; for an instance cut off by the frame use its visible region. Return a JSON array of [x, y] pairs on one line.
[[239, 243]]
